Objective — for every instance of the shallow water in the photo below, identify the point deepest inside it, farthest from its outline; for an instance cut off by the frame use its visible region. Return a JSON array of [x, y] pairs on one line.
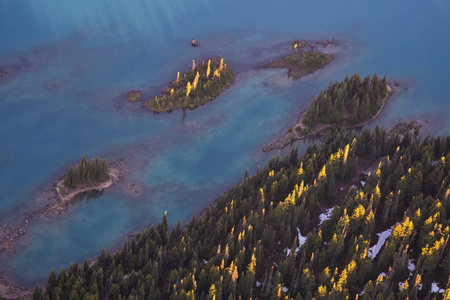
[[70, 62]]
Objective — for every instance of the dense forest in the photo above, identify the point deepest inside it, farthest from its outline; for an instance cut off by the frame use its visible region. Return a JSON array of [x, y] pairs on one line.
[[93, 170], [351, 101], [197, 86], [268, 238]]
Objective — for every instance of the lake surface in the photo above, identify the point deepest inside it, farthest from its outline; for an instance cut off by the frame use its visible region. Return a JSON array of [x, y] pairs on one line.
[[70, 62]]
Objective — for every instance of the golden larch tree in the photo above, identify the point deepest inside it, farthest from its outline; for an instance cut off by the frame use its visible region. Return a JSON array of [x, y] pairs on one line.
[[209, 68], [221, 64], [188, 89], [196, 81]]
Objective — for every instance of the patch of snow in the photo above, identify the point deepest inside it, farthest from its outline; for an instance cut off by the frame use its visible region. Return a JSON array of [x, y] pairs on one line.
[[420, 287], [258, 284], [411, 266], [325, 216], [362, 293], [363, 183], [401, 285], [205, 261], [284, 289], [435, 288], [382, 236], [382, 274], [288, 251], [301, 240]]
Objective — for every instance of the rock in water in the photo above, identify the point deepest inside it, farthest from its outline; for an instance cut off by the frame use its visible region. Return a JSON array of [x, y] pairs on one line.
[[194, 43]]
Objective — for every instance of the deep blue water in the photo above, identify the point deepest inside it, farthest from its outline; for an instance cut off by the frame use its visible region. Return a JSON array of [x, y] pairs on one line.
[[71, 61]]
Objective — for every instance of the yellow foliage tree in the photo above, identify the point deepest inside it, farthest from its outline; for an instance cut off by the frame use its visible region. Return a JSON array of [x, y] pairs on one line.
[[178, 76], [221, 64], [403, 229], [322, 292], [323, 173], [188, 89], [358, 213], [212, 291], [193, 65], [209, 68], [196, 81], [252, 265]]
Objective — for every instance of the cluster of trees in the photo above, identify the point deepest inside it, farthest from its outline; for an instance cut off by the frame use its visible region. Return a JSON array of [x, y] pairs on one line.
[[311, 59], [197, 86], [302, 63], [351, 101], [250, 244], [86, 171], [314, 60]]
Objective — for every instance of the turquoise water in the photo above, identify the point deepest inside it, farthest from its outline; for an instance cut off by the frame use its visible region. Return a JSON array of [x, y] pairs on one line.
[[71, 61]]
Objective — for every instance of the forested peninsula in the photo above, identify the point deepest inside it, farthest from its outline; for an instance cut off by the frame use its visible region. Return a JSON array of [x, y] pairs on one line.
[[348, 104], [203, 83], [362, 216]]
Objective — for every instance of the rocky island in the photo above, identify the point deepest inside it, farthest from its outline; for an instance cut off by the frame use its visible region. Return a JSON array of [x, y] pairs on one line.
[[87, 175], [203, 83], [349, 104], [304, 60], [133, 95]]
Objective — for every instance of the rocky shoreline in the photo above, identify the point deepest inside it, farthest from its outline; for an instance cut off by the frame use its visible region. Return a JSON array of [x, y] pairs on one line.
[[294, 135], [11, 291], [15, 233]]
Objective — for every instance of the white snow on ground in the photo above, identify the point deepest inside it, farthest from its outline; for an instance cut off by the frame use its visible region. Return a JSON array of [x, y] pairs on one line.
[[325, 216], [411, 266], [363, 183], [382, 236], [301, 240], [205, 261], [435, 288], [288, 251], [401, 285], [285, 289], [258, 284], [382, 274]]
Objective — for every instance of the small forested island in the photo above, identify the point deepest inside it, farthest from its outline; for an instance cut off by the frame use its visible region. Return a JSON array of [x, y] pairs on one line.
[[133, 95], [301, 62], [316, 226], [87, 175], [199, 85], [347, 104]]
